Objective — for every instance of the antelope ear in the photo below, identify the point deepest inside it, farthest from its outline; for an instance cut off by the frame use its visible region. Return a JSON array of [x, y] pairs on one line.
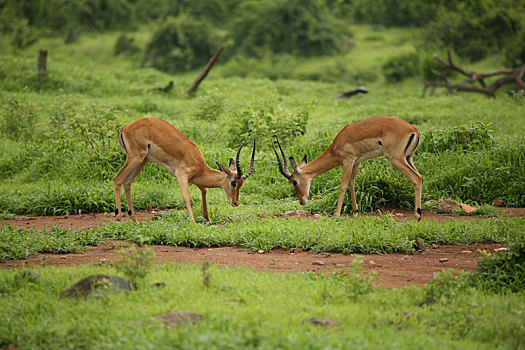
[[223, 169], [304, 161], [232, 165]]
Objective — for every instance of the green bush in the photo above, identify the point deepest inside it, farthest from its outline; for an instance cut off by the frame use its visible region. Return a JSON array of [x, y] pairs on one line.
[[18, 118], [294, 27], [515, 51], [125, 45], [180, 44], [474, 136], [400, 67], [503, 271]]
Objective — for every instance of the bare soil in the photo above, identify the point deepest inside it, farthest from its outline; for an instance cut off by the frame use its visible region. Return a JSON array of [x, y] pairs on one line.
[[391, 270]]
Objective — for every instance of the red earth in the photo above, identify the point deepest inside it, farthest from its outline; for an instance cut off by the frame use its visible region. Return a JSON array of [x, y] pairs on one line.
[[390, 270]]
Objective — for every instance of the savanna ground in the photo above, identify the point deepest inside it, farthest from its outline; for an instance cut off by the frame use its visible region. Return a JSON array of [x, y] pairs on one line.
[[253, 272]]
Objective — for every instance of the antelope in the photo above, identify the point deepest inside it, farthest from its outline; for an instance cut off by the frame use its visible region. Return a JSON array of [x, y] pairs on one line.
[[391, 137], [154, 140]]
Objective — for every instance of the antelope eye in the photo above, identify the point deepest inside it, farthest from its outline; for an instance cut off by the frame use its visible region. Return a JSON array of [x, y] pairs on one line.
[[234, 184], [294, 182]]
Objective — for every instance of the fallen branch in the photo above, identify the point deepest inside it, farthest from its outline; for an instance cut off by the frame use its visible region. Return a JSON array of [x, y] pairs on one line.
[[509, 75], [166, 88], [204, 73], [347, 94]]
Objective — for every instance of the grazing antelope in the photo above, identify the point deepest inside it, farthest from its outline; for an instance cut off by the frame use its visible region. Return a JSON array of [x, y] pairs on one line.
[[392, 137], [154, 140]]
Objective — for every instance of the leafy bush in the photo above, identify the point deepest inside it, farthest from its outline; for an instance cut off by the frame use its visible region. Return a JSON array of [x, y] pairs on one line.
[[475, 29], [23, 35], [466, 137], [503, 271], [210, 106], [125, 45], [400, 67], [294, 27], [515, 51], [19, 118], [264, 121], [180, 44]]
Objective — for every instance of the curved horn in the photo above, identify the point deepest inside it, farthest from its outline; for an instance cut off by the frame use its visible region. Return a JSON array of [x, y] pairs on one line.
[[237, 163], [252, 162], [284, 170]]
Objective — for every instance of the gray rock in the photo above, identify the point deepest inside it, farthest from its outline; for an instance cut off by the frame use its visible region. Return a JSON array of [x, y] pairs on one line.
[[98, 285], [178, 318]]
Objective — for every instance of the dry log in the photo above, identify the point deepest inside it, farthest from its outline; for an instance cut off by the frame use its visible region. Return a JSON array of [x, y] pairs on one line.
[[166, 88], [509, 75], [204, 73], [347, 94]]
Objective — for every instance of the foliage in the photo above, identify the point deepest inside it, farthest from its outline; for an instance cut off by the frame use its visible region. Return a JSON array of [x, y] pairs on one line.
[[504, 271], [209, 106], [515, 51], [390, 12], [125, 45], [474, 136], [475, 29], [292, 27], [19, 118], [264, 121], [135, 263], [180, 43], [401, 67]]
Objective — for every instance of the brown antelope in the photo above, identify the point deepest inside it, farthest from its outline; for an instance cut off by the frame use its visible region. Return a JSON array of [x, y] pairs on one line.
[[154, 140], [392, 137]]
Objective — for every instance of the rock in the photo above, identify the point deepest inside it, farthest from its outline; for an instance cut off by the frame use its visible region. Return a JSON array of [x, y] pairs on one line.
[[30, 276], [500, 249], [320, 263], [98, 285], [498, 203], [443, 260], [260, 251], [300, 214], [178, 318], [448, 206], [322, 321]]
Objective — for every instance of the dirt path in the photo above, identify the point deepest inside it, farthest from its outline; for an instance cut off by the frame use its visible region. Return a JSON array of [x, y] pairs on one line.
[[392, 270]]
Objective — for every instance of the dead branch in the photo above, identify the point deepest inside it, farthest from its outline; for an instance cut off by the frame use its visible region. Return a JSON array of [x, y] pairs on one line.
[[204, 73], [166, 88], [347, 94], [472, 77]]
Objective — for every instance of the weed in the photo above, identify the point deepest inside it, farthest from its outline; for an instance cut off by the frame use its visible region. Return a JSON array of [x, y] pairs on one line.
[[136, 263]]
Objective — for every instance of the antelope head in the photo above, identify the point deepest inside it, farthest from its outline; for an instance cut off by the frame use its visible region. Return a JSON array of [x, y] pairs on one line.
[[234, 179], [300, 181]]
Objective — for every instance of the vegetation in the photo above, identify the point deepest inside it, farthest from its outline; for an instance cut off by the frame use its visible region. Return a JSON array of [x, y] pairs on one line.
[[278, 77]]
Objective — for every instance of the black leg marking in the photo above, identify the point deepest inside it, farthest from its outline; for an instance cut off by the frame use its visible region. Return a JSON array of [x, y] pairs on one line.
[[116, 211], [409, 142], [129, 212], [420, 214], [380, 143]]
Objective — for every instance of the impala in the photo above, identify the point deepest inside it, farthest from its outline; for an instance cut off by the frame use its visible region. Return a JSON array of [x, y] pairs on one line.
[[392, 137], [154, 140]]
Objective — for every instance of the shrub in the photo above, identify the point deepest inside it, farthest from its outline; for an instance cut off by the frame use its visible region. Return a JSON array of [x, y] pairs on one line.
[[265, 121], [125, 45], [503, 271], [515, 51], [466, 137], [210, 106], [400, 67], [294, 27], [180, 44], [19, 118]]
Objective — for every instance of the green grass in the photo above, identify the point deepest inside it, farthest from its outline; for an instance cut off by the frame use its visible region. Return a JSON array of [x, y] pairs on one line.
[[243, 309]]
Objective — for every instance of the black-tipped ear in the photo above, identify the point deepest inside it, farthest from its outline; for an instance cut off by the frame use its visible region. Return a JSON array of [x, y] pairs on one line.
[[232, 165], [303, 161], [223, 168]]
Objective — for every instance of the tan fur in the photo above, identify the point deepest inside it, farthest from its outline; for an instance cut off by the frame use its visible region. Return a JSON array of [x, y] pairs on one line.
[[359, 142], [154, 140]]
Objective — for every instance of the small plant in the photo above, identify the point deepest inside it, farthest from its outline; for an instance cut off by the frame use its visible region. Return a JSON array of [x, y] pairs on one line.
[[136, 263], [125, 45], [401, 67], [503, 271], [473, 136], [18, 118], [206, 274], [210, 106]]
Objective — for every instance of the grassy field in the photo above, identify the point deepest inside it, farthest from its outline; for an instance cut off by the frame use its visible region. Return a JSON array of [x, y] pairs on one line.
[[59, 153]]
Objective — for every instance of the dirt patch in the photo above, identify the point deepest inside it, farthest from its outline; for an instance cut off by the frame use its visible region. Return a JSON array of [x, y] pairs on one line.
[[392, 270]]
